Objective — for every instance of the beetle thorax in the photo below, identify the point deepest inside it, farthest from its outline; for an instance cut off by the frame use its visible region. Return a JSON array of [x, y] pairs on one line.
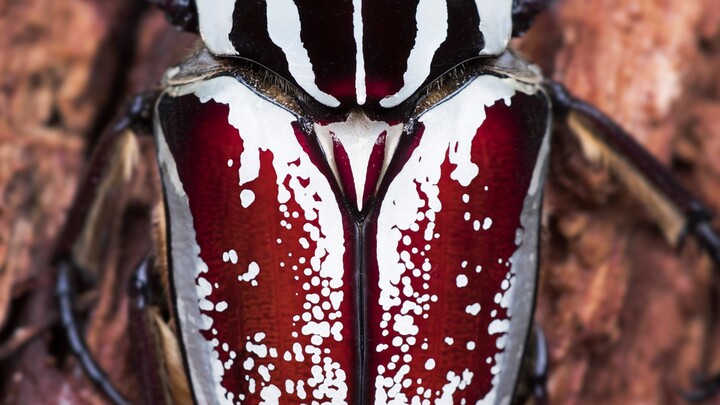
[[357, 52]]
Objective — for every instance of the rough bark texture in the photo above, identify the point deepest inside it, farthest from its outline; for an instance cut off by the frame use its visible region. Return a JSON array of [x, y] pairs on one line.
[[625, 313]]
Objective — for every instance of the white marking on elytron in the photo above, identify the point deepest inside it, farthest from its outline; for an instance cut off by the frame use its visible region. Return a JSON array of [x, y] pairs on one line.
[[430, 364], [203, 362], [284, 28], [473, 309], [495, 24], [270, 394], [455, 382], [358, 134], [487, 223], [230, 256], [431, 19], [262, 129], [449, 131], [230, 162], [517, 299], [249, 276], [449, 341], [360, 89], [246, 198], [216, 22]]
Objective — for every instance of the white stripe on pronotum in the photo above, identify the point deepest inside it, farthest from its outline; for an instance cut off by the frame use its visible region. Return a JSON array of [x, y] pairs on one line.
[[495, 24], [360, 90], [283, 21], [216, 23], [432, 25]]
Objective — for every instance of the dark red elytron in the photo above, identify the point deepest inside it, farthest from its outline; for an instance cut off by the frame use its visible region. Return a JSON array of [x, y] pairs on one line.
[[301, 296]]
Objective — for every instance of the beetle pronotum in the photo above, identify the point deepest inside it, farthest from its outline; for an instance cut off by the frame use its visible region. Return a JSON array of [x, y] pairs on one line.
[[352, 219]]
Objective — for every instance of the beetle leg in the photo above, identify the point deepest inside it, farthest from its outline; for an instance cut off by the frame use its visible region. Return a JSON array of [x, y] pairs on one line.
[[82, 238], [142, 330], [155, 348], [65, 294], [677, 211], [145, 342], [111, 163], [705, 387]]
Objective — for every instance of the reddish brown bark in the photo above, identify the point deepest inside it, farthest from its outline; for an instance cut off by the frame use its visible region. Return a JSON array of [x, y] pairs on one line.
[[623, 311]]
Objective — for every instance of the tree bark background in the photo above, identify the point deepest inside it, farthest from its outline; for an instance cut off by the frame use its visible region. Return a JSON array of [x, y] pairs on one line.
[[624, 313]]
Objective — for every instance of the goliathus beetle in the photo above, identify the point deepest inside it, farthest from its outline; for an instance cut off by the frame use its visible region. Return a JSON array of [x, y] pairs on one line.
[[351, 207]]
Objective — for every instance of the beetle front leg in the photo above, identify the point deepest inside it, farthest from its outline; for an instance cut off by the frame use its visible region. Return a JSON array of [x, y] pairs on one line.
[[145, 348], [65, 294], [111, 165], [92, 220], [676, 210]]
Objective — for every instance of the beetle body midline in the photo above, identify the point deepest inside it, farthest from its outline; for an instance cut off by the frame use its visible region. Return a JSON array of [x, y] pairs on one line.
[[358, 151], [282, 297]]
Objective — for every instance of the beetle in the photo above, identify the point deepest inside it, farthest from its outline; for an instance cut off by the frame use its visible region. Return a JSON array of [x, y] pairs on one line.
[[377, 239]]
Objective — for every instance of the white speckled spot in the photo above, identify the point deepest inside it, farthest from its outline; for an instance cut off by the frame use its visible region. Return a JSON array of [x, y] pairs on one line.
[[247, 197], [221, 306], [487, 223], [473, 309], [270, 395], [253, 271]]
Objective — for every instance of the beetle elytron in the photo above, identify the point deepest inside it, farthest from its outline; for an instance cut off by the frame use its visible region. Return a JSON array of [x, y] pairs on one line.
[[352, 194]]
